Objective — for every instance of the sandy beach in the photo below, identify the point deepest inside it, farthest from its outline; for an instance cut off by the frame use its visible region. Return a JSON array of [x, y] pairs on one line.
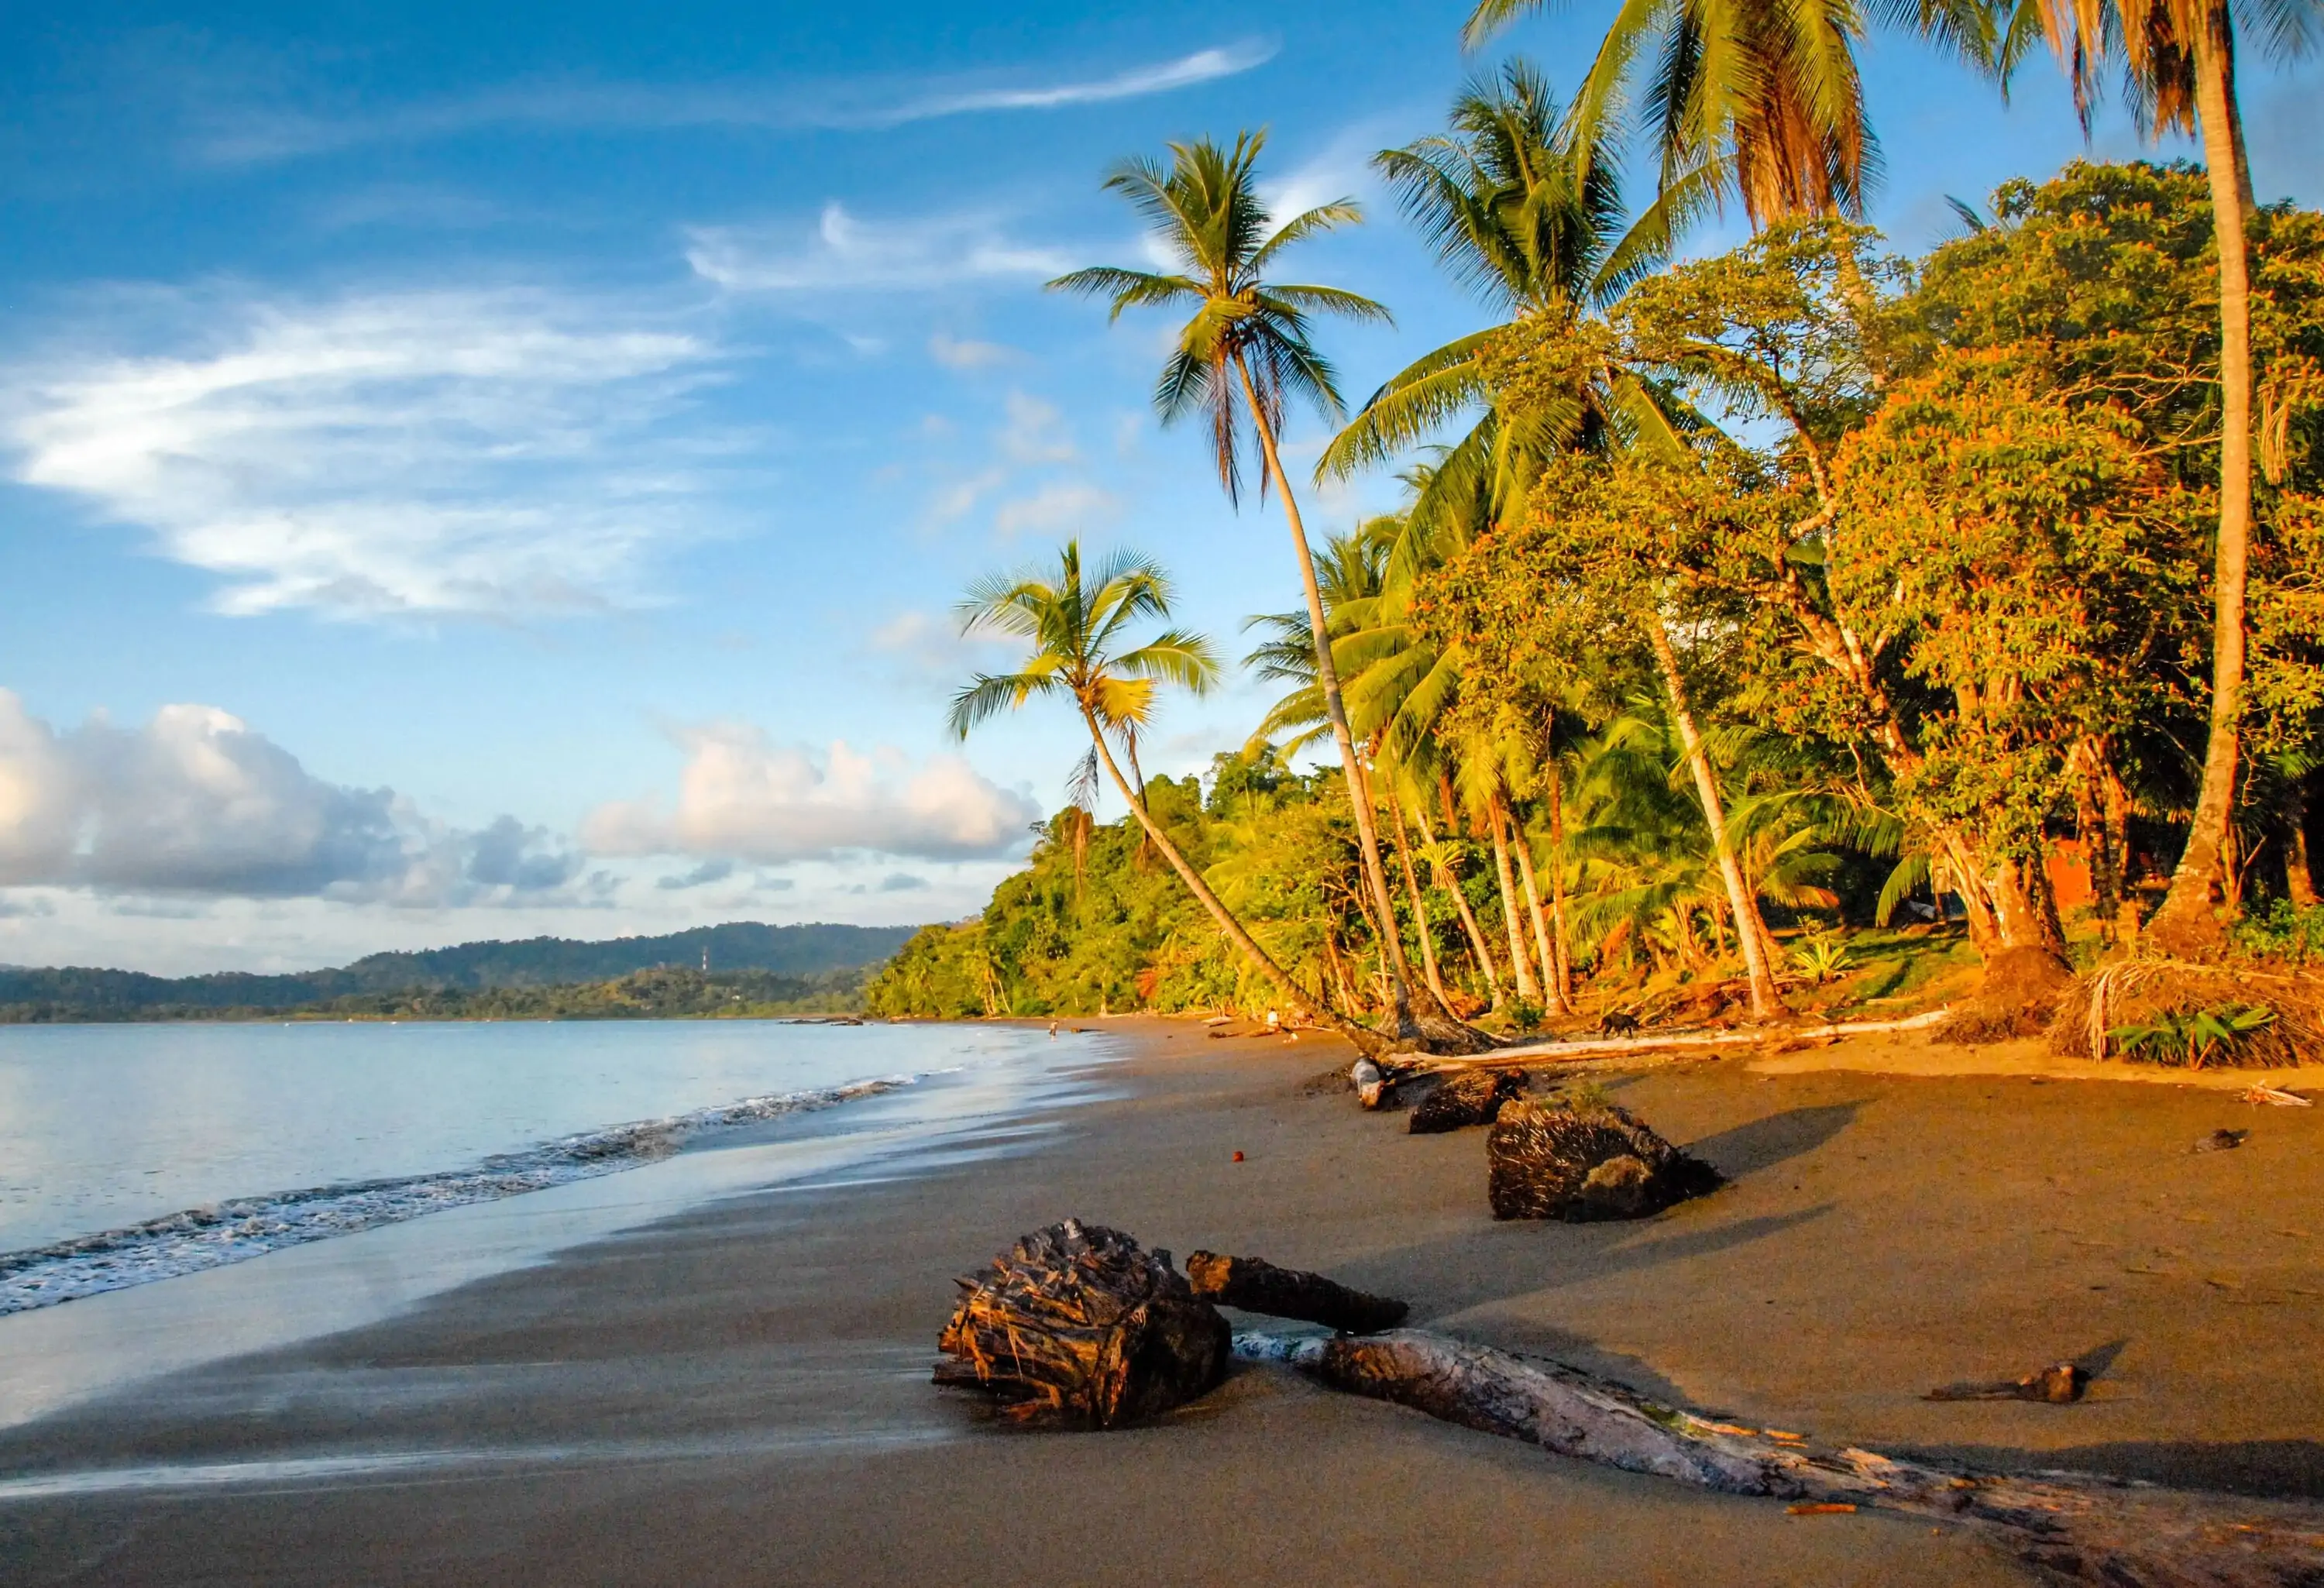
[[740, 1395]]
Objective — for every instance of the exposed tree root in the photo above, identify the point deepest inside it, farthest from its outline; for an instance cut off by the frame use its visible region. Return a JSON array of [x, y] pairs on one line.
[[2077, 1528]]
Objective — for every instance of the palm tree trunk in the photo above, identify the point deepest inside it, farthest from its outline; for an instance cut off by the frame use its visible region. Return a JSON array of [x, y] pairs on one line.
[[1561, 937], [1526, 989], [1553, 996], [1434, 1008], [1765, 1000], [1327, 678], [1293, 992], [1451, 883], [2187, 920], [1419, 905]]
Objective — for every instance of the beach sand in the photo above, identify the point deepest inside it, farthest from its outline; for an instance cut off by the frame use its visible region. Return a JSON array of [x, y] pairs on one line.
[[739, 1395]]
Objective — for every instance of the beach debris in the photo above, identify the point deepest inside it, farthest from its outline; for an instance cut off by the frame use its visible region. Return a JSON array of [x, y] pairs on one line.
[[2221, 1142], [1550, 1160], [1466, 1097], [1252, 1284], [1079, 1324], [1238, 1157], [2276, 1096], [2071, 1526], [2059, 1384], [1372, 1086]]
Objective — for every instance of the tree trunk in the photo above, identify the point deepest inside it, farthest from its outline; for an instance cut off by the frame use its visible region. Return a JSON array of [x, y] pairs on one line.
[[1765, 1000], [1526, 989], [1298, 996], [1552, 991], [1440, 1029], [1253, 1284], [2188, 922], [2076, 1528], [1562, 938], [1451, 882], [1327, 680], [1419, 905], [2299, 882]]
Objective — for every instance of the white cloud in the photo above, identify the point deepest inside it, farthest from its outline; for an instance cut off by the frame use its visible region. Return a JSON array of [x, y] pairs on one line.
[[197, 803], [741, 796], [956, 353], [231, 130], [1060, 507], [843, 253], [1035, 431], [931, 647], [386, 454]]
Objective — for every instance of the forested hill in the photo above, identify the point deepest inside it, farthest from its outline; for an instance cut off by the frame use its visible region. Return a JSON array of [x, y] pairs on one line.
[[800, 952]]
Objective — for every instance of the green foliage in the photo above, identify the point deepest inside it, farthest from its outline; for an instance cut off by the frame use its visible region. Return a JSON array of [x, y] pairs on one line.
[[2192, 1036], [1820, 957], [2283, 930]]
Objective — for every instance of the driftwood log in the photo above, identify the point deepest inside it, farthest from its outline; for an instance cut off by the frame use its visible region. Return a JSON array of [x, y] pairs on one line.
[[1464, 1098], [1252, 1284], [2081, 1529], [1079, 1324], [1548, 1160]]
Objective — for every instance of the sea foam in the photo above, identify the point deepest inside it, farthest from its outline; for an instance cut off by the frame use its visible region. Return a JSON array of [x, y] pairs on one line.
[[250, 1226]]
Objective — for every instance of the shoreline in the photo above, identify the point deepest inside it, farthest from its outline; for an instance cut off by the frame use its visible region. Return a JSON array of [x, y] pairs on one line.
[[624, 1411]]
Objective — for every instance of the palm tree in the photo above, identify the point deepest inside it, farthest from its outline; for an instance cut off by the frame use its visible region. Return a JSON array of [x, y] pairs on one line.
[[1239, 361], [2178, 62], [1529, 214], [1075, 621]]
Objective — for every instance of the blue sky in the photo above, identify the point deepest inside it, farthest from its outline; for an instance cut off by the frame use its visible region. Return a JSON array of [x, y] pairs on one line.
[[483, 471]]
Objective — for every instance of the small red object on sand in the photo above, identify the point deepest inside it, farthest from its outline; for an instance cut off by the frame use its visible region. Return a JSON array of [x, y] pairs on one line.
[[1237, 1157], [1827, 1509]]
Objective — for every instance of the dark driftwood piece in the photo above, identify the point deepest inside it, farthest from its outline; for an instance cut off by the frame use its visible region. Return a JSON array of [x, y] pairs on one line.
[[2080, 1528], [1079, 1324], [1466, 1097], [2060, 1384], [1545, 1160], [1255, 1284]]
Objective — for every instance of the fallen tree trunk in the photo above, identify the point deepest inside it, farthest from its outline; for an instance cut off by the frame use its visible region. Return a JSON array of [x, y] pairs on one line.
[[1414, 1063], [1080, 1324], [1252, 1284], [2079, 1527]]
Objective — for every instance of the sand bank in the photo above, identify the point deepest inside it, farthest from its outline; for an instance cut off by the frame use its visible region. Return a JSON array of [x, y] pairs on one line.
[[739, 1395]]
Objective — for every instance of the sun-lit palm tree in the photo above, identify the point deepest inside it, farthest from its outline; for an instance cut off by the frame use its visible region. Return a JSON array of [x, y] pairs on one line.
[[1528, 215], [1240, 360], [1076, 619]]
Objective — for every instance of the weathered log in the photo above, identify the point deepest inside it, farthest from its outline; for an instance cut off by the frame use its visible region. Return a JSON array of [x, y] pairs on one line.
[[1252, 1284], [1466, 1097], [1618, 1047], [1370, 1083], [1548, 1160], [1078, 1323], [2079, 1527], [2060, 1384]]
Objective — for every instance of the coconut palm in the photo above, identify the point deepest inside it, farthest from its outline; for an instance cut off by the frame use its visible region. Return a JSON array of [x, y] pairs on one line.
[[2178, 64], [1528, 215], [1075, 620], [1240, 360]]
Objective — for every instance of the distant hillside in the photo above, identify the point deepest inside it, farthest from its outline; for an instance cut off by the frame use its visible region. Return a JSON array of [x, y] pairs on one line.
[[802, 952]]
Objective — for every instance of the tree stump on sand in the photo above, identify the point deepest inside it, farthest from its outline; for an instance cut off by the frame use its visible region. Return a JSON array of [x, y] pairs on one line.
[[1466, 1097], [1080, 1324], [1549, 1161], [1255, 1284]]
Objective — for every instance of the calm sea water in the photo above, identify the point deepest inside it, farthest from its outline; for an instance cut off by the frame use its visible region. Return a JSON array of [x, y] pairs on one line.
[[184, 1146]]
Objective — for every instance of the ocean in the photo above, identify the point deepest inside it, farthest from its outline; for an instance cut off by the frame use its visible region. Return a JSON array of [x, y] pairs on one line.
[[133, 1153]]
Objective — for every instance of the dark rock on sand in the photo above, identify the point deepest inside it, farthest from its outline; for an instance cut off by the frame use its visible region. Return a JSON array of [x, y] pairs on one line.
[[1466, 1097], [1546, 1160]]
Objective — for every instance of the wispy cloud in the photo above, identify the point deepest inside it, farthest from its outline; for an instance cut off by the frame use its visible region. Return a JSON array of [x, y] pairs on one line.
[[382, 454], [957, 352], [842, 252], [238, 133], [1060, 507]]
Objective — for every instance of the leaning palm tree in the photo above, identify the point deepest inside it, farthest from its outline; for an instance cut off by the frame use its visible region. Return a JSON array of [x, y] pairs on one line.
[[1075, 619], [1239, 361], [2177, 63]]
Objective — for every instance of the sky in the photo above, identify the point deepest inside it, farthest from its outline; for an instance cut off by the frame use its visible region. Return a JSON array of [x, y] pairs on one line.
[[486, 471]]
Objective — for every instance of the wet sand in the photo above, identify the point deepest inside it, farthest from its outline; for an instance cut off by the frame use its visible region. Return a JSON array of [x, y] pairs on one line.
[[740, 1395]]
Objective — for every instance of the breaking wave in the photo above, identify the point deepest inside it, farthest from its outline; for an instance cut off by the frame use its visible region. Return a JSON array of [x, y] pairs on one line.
[[250, 1226]]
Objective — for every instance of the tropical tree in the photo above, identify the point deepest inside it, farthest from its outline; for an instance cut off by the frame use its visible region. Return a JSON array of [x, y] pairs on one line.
[[1240, 360], [1075, 620], [2178, 64]]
